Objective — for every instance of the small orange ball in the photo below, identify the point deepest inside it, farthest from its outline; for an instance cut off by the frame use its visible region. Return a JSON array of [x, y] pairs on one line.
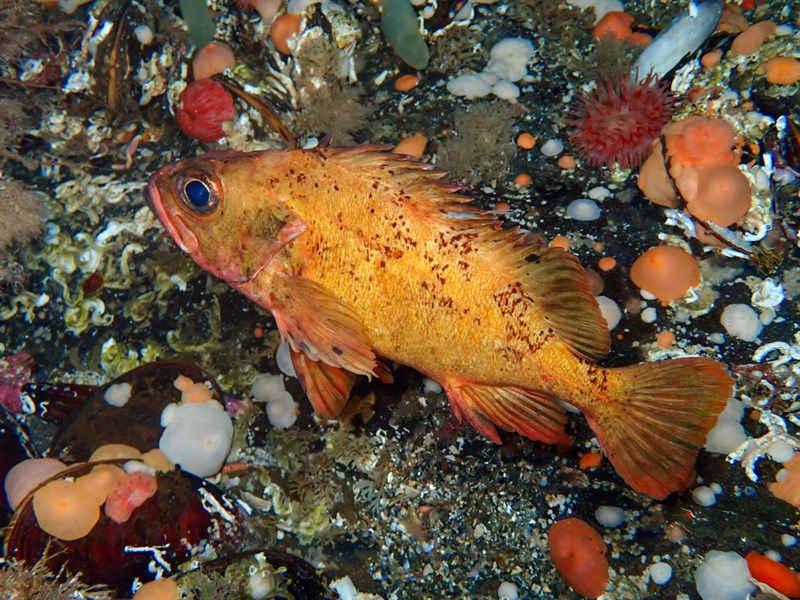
[[567, 163], [665, 339], [523, 180], [412, 146], [406, 83], [211, 59], [606, 263], [559, 242], [526, 141]]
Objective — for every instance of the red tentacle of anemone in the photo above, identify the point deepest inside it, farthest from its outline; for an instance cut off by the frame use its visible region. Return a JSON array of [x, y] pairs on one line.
[[617, 122]]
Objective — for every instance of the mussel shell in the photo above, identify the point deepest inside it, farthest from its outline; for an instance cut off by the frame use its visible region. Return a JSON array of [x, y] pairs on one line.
[[138, 422], [15, 446], [186, 514]]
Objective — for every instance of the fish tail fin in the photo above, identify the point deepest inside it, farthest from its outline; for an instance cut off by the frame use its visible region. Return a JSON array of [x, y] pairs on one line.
[[654, 417]]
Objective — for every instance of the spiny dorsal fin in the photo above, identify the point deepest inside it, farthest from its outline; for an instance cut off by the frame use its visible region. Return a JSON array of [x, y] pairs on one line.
[[552, 278]]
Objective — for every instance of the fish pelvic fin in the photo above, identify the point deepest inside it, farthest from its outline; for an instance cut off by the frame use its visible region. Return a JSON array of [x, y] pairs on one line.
[[327, 387], [656, 417], [531, 413], [320, 325]]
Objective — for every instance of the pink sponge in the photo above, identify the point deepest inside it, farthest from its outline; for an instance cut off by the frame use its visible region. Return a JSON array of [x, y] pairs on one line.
[[131, 491]]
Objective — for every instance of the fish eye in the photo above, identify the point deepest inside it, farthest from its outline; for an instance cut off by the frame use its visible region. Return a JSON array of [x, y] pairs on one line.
[[198, 194]]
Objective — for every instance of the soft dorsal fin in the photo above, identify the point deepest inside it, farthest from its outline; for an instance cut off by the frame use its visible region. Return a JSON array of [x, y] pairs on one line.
[[553, 278]]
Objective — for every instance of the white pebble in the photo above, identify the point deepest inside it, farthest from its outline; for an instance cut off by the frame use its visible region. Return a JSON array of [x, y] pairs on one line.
[[704, 496], [647, 295], [723, 576], [741, 321], [144, 34], [660, 573], [649, 315], [609, 516], [716, 488], [429, 386], [507, 591], [716, 338], [599, 193], [283, 358], [552, 147], [345, 588], [776, 556], [788, 540], [780, 451], [583, 209], [610, 311]]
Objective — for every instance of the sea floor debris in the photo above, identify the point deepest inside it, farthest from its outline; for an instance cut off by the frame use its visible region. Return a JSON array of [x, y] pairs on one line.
[[398, 499]]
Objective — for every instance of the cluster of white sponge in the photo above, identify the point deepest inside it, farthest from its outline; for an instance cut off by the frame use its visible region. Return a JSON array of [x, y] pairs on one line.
[[508, 63]]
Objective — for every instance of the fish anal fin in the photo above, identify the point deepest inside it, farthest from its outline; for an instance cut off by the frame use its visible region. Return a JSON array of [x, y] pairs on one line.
[[327, 387], [556, 282], [314, 321], [531, 413], [658, 418]]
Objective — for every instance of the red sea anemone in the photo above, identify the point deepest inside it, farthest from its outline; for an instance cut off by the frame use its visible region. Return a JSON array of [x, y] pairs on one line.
[[618, 122], [203, 107]]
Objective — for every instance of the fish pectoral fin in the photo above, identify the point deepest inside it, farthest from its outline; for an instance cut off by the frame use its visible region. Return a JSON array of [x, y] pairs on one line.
[[557, 284], [531, 413], [320, 325], [327, 387]]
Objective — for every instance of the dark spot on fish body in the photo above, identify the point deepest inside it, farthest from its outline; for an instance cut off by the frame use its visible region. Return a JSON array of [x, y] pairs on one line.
[[375, 185], [336, 350]]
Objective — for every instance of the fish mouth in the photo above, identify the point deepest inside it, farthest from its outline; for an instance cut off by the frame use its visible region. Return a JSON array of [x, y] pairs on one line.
[[173, 222], [150, 195]]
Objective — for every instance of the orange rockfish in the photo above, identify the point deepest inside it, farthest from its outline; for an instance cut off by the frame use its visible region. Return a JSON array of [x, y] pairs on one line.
[[364, 256]]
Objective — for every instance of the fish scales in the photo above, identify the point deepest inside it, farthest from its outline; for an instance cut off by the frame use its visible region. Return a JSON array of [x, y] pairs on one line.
[[365, 257]]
